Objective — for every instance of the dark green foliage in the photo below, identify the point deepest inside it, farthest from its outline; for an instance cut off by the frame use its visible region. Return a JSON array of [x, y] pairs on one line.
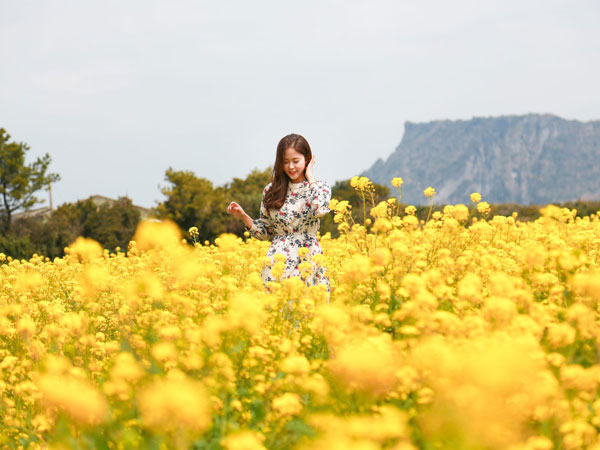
[[191, 201], [112, 225], [342, 190], [248, 193], [18, 181], [194, 202], [16, 246]]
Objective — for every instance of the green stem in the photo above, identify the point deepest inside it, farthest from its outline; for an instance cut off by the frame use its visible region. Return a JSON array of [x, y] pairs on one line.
[[364, 208], [430, 208]]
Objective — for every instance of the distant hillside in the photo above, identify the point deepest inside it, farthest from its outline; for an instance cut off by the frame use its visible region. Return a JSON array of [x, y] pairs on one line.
[[518, 159], [98, 200]]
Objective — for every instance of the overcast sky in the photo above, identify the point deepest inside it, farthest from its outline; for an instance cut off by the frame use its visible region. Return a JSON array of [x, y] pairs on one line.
[[118, 91]]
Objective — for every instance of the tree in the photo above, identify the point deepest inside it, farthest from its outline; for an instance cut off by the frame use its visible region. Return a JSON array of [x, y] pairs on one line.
[[60, 230], [192, 202], [112, 225], [248, 193], [19, 182], [342, 190]]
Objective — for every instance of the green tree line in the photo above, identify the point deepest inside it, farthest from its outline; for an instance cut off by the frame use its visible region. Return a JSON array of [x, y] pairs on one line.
[[188, 200]]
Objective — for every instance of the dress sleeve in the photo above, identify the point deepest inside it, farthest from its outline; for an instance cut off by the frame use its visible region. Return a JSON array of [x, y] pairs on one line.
[[262, 228], [319, 196]]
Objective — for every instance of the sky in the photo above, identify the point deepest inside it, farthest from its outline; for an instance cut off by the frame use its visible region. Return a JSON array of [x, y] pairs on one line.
[[116, 92]]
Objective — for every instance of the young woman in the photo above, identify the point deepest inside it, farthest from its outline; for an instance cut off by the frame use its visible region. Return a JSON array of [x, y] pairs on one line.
[[290, 209]]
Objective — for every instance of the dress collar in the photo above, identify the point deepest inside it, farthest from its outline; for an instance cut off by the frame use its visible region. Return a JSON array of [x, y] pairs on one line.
[[297, 186]]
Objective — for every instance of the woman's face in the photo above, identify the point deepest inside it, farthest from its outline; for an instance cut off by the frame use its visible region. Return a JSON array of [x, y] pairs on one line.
[[294, 165]]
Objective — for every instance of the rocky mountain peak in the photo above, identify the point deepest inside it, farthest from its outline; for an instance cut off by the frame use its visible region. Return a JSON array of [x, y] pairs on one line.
[[533, 158]]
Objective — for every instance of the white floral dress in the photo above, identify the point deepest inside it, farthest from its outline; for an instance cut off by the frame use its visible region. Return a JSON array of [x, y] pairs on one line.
[[294, 226]]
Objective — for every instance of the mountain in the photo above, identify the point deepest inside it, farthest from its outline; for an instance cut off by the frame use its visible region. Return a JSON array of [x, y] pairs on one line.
[[533, 158]]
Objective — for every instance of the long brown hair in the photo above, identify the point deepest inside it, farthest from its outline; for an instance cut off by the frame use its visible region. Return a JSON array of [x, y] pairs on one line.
[[275, 196]]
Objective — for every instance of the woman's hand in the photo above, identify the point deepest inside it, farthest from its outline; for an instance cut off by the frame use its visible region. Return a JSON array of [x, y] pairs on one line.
[[236, 210], [239, 213], [309, 170]]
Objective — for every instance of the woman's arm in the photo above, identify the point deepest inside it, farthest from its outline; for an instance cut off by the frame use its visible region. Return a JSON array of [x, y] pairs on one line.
[[319, 196], [239, 212], [260, 228], [319, 192]]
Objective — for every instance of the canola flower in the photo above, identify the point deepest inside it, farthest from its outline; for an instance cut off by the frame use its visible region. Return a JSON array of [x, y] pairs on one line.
[[447, 333], [475, 197], [483, 208], [397, 182]]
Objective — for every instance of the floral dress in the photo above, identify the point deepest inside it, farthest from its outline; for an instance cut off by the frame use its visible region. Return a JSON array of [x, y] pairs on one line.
[[293, 227]]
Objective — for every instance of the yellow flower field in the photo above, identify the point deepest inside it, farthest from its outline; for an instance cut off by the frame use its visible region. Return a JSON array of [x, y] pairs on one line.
[[454, 333]]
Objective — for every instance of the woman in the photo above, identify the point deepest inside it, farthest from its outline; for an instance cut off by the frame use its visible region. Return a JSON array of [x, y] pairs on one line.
[[290, 209]]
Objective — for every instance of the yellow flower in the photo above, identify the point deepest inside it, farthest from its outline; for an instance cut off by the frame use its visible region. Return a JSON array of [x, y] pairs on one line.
[[382, 225], [366, 365], [560, 335], [175, 404], [483, 208], [429, 192], [288, 404], [164, 352], [295, 364], [244, 440], [475, 383], [193, 232], [157, 235], [361, 183], [305, 268], [77, 398], [464, 324], [228, 242], [319, 259], [380, 211], [574, 376], [126, 368], [469, 288], [461, 212], [246, 311], [397, 182], [277, 270], [499, 310], [85, 249], [539, 443], [411, 221], [26, 326], [340, 207], [551, 211], [475, 197], [381, 257], [357, 268]]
